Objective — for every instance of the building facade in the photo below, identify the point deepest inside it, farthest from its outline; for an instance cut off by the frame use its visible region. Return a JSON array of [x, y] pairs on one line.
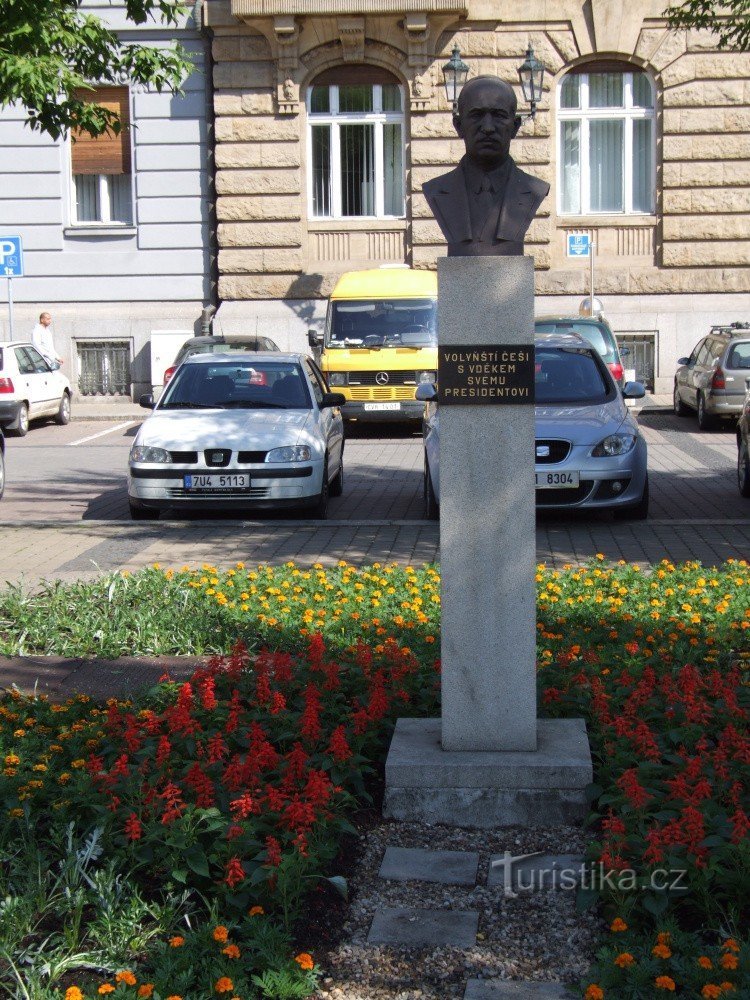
[[331, 114], [117, 233]]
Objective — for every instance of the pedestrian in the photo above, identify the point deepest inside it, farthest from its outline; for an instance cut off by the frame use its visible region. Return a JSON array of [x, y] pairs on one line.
[[42, 339]]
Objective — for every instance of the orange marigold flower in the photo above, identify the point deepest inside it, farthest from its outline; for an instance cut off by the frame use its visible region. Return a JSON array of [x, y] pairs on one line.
[[304, 960], [618, 924], [705, 962], [255, 911], [729, 961], [663, 937], [231, 951], [106, 988], [174, 996], [661, 951], [176, 941], [730, 945], [665, 983], [711, 991], [594, 992], [224, 985], [624, 960], [146, 990], [126, 977], [728, 987], [73, 993], [221, 933]]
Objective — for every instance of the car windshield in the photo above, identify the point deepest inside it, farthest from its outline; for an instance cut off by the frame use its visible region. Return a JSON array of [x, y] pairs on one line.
[[383, 323], [600, 338], [250, 384], [569, 375], [223, 347]]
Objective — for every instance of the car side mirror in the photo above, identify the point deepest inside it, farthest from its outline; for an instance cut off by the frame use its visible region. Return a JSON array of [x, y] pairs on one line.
[[331, 399], [53, 365], [426, 392], [624, 352], [633, 390], [146, 401], [683, 361], [314, 338]]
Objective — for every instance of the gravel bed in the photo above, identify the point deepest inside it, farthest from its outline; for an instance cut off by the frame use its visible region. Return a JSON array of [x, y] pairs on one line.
[[535, 936]]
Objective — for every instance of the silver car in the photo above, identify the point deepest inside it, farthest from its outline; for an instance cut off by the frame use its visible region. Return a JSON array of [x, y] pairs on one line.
[[590, 452], [712, 380]]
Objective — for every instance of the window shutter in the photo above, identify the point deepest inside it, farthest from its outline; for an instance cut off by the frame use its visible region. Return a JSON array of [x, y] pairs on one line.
[[109, 153]]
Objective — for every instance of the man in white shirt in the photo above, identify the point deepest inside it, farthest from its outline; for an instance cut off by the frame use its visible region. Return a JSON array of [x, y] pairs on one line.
[[41, 338]]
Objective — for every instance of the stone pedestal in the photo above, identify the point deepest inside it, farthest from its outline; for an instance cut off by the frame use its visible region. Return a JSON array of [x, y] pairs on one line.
[[488, 761]]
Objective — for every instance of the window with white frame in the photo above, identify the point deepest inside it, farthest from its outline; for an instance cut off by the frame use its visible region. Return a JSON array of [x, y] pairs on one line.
[[101, 167], [606, 141], [355, 148]]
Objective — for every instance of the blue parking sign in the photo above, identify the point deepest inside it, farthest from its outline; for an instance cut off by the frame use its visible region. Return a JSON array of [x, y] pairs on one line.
[[579, 244], [11, 257]]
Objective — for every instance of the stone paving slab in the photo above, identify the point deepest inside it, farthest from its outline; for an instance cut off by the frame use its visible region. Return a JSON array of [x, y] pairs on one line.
[[478, 989], [535, 872], [415, 928], [404, 864]]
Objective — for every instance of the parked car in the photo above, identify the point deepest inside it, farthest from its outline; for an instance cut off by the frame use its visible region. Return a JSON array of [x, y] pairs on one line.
[[30, 388], [218, 344], [597, 331], [712, 380], [590, 452], [234, 431], [743, 445], [2, 463]]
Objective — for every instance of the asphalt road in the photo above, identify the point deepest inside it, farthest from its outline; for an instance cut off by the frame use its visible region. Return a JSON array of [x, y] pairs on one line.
[[77, 473]]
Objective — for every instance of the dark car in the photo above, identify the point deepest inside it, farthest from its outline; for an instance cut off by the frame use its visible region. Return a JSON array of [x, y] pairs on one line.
[[712, 380], [221, 344], [2, 463], [743, 445], [597, 331]]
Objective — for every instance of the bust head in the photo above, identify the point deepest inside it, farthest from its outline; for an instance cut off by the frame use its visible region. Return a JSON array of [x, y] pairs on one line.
[[486, 120]]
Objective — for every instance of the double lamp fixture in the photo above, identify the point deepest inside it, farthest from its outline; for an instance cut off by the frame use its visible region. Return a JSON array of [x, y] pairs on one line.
[[530, 73]]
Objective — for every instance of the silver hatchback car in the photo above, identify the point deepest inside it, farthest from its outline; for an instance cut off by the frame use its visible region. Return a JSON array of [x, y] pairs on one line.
[[712, 380], [589, 450]]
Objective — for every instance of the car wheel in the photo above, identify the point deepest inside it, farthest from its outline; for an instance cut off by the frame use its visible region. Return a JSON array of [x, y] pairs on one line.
[[743, 469], [679, 407], [431, 505], [337, 484], [705, 420], [2, 474], [21, 426], [639, 511], [63, 414], [144, 513], [320, 508]]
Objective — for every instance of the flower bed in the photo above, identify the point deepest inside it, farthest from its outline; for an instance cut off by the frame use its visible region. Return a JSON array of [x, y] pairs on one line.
[[227, 796]]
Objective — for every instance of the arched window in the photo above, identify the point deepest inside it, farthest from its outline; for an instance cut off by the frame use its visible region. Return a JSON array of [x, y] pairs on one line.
[[355, 149], [606, 141]]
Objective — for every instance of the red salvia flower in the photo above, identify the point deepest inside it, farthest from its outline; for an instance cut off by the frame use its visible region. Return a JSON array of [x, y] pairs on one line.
[[278, 703], [235, 873], [133, 828], [338, 746], [273, 852]]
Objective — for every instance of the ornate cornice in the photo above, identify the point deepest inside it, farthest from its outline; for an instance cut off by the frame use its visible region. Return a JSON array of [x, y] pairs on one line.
[[326, 8]]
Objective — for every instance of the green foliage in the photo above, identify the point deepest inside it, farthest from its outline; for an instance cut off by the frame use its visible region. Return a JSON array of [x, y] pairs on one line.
[[51, 48], [729, 19]]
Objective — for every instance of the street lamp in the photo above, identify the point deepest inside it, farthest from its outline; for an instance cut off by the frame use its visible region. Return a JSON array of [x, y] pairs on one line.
[[531, 75], [455, 72]]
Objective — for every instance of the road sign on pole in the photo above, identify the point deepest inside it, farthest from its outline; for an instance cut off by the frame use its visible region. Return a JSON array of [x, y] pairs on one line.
[[11, 266], [579, 245]]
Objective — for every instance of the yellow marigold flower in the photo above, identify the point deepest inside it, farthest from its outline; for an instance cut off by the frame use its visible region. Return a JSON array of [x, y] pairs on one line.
[[127, 977], [594, 992], [618, 924], [665, 983], [624, 959], [661, 951], [78, 764], [73, 993], [106, 988], [224, 985], [255, 911], [705, 962], [18, 733], [304, 960], [221, 933], [231, 951], [176, 941]]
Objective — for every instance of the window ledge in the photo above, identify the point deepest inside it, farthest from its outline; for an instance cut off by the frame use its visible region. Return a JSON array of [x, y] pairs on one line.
[[353, 224], [581, 221], [86, 232]]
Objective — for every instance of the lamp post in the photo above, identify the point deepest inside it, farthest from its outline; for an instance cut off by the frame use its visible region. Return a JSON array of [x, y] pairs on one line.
[[455, 72], [531, 75]]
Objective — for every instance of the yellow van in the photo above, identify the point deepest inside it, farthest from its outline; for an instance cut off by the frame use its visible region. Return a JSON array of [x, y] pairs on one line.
[[380, 341]]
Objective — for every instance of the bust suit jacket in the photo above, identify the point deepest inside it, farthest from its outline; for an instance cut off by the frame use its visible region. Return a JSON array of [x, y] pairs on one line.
[[447, 197]]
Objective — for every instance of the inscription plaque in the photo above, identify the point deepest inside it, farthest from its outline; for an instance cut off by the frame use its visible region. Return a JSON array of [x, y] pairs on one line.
[[486, 375]]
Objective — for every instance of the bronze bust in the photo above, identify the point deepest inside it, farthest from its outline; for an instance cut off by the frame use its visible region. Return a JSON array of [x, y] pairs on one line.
[[485, 206]]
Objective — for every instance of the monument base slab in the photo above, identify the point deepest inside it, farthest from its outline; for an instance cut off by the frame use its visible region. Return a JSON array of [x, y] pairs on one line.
[[485, 789]]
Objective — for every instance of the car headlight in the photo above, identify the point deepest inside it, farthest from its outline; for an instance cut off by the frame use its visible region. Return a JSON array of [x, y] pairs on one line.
[[426, 377], [295, 453], [337, 378], [140, 453], [614, 444]]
